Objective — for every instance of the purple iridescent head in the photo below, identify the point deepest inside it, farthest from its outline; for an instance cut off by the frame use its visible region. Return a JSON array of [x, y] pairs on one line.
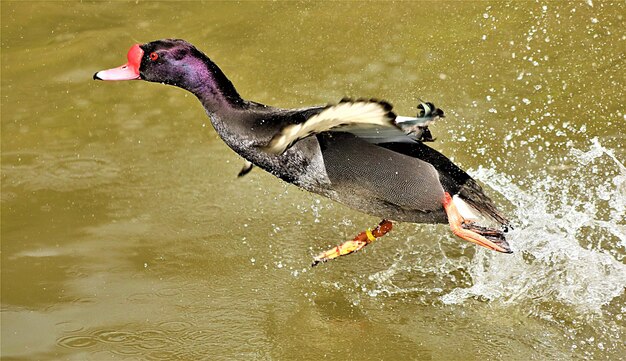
[[164, 61], [174, 62]]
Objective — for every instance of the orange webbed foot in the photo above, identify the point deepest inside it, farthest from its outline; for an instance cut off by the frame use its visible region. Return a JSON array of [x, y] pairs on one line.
[[469, 231]]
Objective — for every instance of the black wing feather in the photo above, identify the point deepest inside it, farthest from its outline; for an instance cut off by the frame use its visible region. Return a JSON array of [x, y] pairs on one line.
[[454, 179]]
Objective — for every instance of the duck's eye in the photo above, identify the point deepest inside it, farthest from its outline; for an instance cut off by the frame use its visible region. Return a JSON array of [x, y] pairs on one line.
[[154, 56]]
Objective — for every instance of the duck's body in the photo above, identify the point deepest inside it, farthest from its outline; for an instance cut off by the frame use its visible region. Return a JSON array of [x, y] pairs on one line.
[[339, 165], [324, 149]]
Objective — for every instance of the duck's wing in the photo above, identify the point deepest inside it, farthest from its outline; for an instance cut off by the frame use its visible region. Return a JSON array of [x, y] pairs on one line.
[[406, 130], [347, 113], [381, 181], [453, 179], [370, 119]]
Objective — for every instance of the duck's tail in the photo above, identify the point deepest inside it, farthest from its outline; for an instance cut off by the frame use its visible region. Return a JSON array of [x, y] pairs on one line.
[[472, 194]]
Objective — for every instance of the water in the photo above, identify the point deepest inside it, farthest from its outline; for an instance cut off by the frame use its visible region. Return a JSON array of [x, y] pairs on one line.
[[126, 235]]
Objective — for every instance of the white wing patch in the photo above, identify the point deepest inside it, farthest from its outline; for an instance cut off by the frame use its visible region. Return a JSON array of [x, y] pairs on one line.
[[346, 113], [412, 125], [403, 119]]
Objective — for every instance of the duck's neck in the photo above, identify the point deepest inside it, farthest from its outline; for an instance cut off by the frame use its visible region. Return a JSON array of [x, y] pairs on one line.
[[226, 109], [209, 84]]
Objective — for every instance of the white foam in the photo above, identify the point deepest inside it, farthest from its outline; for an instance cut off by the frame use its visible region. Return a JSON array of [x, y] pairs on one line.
[[570, 252]]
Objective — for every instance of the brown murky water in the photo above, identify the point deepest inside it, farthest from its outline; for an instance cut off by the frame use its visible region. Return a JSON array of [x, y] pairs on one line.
[[126, 235]]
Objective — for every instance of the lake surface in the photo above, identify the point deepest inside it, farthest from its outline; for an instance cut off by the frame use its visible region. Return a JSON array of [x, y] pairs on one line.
[[126, 234]]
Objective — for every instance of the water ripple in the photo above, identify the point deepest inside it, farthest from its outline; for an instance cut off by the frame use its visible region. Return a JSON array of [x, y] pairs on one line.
[[77, 341], [175, 326], [151, 343], [113, 336], [40, 171]]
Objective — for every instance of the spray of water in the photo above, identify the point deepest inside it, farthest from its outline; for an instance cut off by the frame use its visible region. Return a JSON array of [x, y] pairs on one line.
[[570, 251], [568, 267]]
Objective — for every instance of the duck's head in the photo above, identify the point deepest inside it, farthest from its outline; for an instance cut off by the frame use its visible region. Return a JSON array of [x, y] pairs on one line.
[[169, 61], [174, 62]]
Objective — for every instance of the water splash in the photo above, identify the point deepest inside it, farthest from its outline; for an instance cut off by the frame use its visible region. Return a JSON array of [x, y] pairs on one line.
[[570, 241]]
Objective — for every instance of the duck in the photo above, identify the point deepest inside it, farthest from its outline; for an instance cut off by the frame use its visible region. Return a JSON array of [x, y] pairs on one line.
[[357, 152]]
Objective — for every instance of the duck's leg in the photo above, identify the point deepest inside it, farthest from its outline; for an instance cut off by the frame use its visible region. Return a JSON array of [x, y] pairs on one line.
[[360, 241], [483, 236]]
